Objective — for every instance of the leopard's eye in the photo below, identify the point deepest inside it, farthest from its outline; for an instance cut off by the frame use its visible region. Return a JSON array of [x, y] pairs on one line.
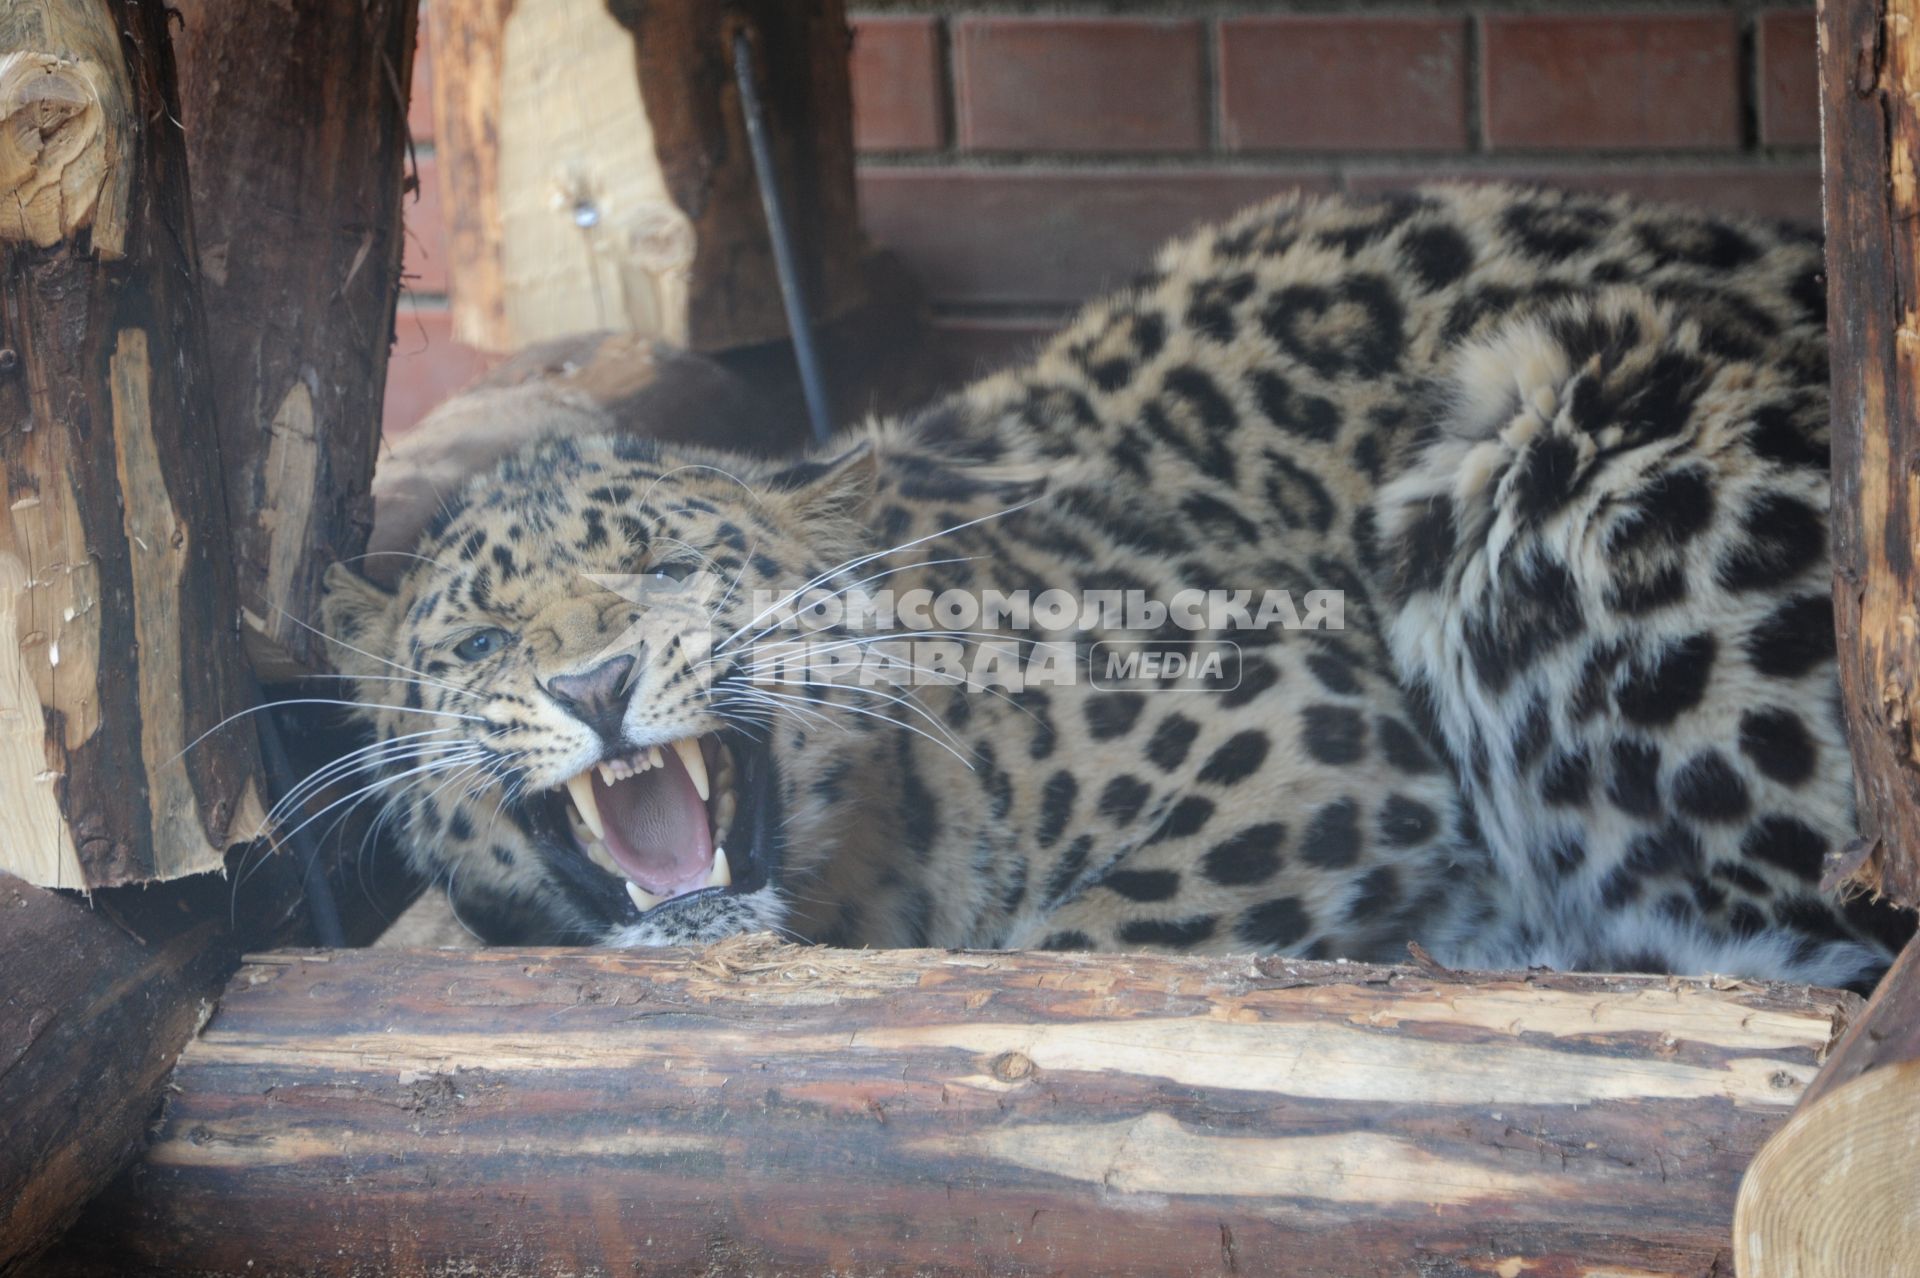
[[672, 571], [481, 643]]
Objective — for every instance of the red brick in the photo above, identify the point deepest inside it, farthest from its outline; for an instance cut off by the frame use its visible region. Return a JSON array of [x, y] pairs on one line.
[[425, 367], [1343, 84], [899, 101], [423, 262], [1789, 90], [420, 95], [1789, 193], [1079, 84], [1047, 237], [1611, 81]]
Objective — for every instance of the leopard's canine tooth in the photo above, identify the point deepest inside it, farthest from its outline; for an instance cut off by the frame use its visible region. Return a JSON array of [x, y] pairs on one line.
[[580, 786], [722, 874], [641, 897], [688, 749]]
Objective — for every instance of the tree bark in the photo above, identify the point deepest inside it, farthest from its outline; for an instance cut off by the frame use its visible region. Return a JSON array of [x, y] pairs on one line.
[[597, 175], [122, 650], [1838, 1189], [758, 1108], [1870, 76], [295, 119]]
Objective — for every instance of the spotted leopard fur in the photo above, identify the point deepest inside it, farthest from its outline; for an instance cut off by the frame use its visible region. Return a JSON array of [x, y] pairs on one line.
[[1565, 455]]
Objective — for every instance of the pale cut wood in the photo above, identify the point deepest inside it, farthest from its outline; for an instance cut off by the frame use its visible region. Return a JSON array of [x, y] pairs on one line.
[[760, 1108], [1836, 1194], [1870, 123], [65, 120], [295, 120], [596, 172], [1837, 1191], [120, 647]]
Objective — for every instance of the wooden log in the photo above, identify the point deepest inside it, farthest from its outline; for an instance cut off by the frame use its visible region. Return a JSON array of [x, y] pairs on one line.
[[296, 126], [1887, 1033], [1837, 1190], [116, 597], [760, 1108], [596, 173], [1870, 79], [96, 1000]]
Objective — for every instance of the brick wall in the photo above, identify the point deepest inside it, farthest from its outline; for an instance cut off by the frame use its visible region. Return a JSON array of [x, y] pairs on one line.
[[1019, 159]]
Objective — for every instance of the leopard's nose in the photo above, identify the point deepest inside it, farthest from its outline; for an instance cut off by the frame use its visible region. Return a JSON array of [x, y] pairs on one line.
[[598, 697]]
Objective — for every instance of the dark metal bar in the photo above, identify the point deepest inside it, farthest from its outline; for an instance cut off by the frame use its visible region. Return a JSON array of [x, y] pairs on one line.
[[786, 261]]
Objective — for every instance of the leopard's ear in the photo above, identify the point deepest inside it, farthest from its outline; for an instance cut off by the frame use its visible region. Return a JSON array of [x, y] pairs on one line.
[[825, 487], [356, 616]]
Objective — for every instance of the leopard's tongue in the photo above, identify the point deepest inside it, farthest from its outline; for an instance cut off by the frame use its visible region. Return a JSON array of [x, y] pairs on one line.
[[656, 828]]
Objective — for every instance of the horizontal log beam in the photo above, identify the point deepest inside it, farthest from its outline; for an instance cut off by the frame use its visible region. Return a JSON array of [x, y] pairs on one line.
[[755, 1107]]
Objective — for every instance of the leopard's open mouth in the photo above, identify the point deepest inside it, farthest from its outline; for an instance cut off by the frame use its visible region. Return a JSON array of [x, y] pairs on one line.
[[673, 821]]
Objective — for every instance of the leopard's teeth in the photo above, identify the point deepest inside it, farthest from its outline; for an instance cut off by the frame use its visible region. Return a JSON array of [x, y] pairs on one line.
[[689, 751], [598, 854], [607, 777], [641, 897], [654, 757], [580, 787], [721, 875], [723, 813]]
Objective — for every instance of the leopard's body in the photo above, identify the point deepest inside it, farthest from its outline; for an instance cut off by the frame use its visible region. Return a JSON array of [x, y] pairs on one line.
[[1565, 456]]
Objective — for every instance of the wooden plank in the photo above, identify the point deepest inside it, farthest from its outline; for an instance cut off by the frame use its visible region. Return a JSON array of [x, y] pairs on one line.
[[1870, 76], [596, 170], [116, 594], [296, 130], [760, 1108]]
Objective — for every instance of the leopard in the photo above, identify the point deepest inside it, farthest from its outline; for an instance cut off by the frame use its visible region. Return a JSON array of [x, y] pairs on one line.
[[1531, 487]]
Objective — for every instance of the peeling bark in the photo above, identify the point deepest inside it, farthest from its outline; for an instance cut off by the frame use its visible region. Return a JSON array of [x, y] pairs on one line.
[[1870, 82]]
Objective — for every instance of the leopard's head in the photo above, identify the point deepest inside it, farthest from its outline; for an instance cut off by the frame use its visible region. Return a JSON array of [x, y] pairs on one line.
[[566, 720]]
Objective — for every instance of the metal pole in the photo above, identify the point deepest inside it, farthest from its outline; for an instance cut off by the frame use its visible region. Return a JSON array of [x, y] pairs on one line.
[[786, 262]]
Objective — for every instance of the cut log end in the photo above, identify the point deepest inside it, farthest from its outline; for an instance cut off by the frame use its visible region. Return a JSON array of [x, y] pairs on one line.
[[1834, 1192], [53, 153], [65, 127]]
